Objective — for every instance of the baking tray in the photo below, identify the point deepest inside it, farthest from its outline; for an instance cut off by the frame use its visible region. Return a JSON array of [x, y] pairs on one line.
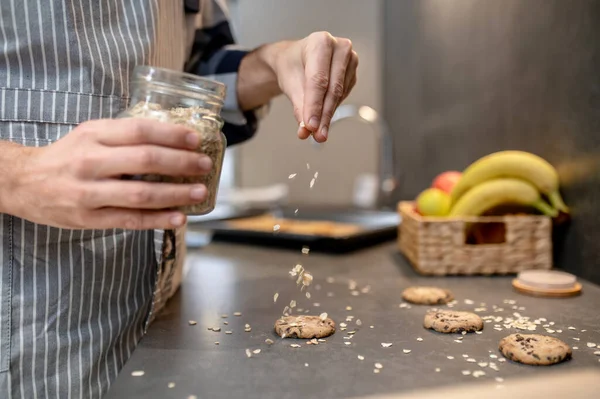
[[377, 227]]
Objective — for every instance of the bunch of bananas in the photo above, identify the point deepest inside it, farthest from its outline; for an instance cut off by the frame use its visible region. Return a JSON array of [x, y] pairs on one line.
[[506, 177]]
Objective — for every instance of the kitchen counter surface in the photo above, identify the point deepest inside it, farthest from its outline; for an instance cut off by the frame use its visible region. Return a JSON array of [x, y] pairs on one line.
[[180, 360]]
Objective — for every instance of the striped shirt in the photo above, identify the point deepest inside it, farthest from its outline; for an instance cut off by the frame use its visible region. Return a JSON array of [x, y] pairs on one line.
[[74, 304]]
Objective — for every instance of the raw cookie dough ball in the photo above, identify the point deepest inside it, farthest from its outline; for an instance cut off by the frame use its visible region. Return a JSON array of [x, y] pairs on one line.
[[427, 295], [452, 321], [304, 327], [535, 349]]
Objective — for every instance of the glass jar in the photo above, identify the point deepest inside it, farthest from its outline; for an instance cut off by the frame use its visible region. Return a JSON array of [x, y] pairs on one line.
[[183, 99]]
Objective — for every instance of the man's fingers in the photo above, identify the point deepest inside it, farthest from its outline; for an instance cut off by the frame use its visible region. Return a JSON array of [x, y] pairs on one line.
[[141, 195], [335, 93], [119, 218], [144, 159], [139, 131], [350, 80], [319, 52]]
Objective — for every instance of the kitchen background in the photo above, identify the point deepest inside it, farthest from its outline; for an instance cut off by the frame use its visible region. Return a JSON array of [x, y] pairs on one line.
[[455, 80]]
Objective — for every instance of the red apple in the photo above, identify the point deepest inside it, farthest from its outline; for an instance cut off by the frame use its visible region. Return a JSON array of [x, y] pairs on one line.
[[446, 181]]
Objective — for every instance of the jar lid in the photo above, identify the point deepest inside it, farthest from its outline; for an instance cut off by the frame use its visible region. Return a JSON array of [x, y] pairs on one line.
[[548, 283]]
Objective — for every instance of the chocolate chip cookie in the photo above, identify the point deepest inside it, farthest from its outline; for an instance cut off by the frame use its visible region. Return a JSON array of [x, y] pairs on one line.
[[535, 349], [427, 295], [304, 327], [451, 321]]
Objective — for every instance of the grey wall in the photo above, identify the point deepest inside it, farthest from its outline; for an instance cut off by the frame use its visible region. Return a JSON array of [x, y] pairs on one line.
[[463, 78]]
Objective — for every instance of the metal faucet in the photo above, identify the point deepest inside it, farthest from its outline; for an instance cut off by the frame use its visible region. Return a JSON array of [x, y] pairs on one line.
[[387, 180]]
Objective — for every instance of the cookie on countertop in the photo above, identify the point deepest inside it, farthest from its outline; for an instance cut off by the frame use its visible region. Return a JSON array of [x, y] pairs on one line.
[[452, 321], [304, 327], [535, 349], [424, 295]]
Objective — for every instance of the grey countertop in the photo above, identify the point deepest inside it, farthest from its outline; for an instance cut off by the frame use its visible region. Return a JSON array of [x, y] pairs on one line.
[[223, 279]]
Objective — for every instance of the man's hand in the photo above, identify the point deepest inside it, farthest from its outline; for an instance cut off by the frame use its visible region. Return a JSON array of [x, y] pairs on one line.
[[76, 182], [316, 73]]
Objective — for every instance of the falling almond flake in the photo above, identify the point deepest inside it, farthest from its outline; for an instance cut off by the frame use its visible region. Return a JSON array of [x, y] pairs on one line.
[[360, 357], [347, 343], [305, 250], [386, 345], [248, 353], [330, 294], [307, 296], [305, 364], [330, 280], [371, 326], [292, 304], [355, 293], [437, 370], [419, 339], [376, 371], [269, 341], [256, 351], [192, 322], [466, 372], [307, 279], [316, 174], [171, 385], [138, 373], [276, 227], [378, 366], [296, 211], [450, 357], [307, 166], [406, 350], [316, 304], [292, 176], [275, 297], [312, 183], [358, 322]]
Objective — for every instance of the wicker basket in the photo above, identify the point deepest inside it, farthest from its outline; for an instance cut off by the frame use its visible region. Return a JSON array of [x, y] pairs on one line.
[[438, 246]]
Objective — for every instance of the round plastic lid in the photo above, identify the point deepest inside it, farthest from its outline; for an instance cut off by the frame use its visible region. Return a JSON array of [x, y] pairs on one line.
[[547, 279]]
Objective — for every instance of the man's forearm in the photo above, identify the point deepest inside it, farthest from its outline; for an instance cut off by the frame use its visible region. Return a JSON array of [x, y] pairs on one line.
[[10, 165], [257, 82]]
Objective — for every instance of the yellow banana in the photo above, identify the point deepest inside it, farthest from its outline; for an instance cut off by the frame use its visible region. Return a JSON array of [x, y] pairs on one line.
[[501, 191], [517, 164]]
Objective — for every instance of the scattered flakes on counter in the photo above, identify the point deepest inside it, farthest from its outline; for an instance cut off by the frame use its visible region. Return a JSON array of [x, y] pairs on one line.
[[247, 328], [404, 306], [458, 341], [138, 373], [225, 323], [316, 304], [360, 357], [216, 329], [343, 325], [583, 330], [269, 341], [576, 339], [471, 360], [349, 318], [224, 316], [407, 351], [551, 323], [256, 351], [494, 356], [591, 345], [348, 343], [450, 357], [465, 356], [559, 331], [330, 280], [463, 333], [355, 293], [419, 339], [313, 341], [482, 364], [478, 332], [351, 332], [575, 348], [275, 297], [171, 385], [312, 182], [366, 289], [307, 296], [481, 309], [437, 370], [499, 379], [322, 340], [348, 308], [352, 285], [305, 364], [358, 322], [228, 332], [378, 366], [502, 360], [292, 304], [295, 346], [469, 302], [386, 344], [300, 309], [248, 353], [597, 353], [497, 328], [460, 338], [478, 373], [466, 372], [550, 331], [216, 342], [192, 322], [292, 176], [237, 314], [376, 371], [307, 166], [330, 294], [192, 397]]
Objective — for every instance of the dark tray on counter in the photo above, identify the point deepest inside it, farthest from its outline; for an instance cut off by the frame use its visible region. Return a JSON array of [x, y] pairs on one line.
[[376, 227]]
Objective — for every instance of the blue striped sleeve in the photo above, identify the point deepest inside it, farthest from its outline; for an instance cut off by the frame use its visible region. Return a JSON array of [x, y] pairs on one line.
[[215, 56]]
